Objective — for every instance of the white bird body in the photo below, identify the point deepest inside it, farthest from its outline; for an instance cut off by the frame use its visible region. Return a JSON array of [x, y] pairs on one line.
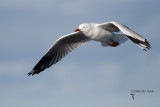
[[96, 33], [104, 33]]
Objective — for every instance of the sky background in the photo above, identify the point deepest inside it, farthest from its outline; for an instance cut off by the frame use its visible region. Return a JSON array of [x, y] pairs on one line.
[[90, 76]]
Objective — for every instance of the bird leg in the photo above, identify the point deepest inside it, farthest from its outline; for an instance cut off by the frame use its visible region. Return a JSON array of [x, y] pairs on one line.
[[113, 44]]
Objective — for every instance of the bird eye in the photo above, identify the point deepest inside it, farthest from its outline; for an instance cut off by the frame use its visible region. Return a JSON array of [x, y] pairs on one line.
[[84, 26]]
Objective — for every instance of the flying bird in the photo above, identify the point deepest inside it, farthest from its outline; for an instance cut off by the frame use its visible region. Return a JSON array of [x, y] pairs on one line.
[[106, 33]]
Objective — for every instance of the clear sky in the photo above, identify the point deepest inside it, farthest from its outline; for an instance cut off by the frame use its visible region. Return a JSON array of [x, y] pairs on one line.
[[90, 76]]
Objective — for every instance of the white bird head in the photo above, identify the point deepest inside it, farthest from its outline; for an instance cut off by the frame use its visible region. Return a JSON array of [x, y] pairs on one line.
[[84, 28]]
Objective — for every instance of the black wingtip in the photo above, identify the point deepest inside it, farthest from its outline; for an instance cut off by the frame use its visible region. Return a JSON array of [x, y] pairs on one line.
[[33, 72], [30, 73], [44, 63], [142, 44], [147, 44], [145, 50]]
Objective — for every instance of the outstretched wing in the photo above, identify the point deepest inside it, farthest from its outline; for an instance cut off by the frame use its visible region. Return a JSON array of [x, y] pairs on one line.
[[133, 36], [58, 50]]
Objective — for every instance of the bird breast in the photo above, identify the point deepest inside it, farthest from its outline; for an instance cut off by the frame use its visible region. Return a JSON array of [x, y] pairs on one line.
[[99, 34]]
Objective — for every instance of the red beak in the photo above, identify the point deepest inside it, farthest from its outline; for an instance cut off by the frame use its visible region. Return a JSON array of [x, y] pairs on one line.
[[77, 30]]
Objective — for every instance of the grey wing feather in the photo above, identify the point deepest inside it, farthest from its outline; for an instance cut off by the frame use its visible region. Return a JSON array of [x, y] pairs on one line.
[[109, 26], [58, 50], [133, 36]]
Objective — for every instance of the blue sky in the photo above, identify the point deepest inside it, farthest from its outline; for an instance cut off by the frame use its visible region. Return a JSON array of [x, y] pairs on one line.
[[90, 76]]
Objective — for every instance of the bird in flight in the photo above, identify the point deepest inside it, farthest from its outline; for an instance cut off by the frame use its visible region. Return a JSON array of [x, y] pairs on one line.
[[106, 33]]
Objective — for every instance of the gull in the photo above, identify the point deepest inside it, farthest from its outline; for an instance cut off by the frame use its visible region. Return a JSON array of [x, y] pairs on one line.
[[106, 33]]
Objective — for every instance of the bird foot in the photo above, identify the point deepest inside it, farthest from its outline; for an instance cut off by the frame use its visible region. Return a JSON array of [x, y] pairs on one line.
[[114, 44]]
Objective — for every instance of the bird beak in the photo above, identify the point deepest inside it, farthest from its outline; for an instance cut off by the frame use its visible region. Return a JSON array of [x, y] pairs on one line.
[[77, 30]]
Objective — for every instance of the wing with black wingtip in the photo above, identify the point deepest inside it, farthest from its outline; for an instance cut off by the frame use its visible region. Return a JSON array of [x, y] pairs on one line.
[[58, 50]]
